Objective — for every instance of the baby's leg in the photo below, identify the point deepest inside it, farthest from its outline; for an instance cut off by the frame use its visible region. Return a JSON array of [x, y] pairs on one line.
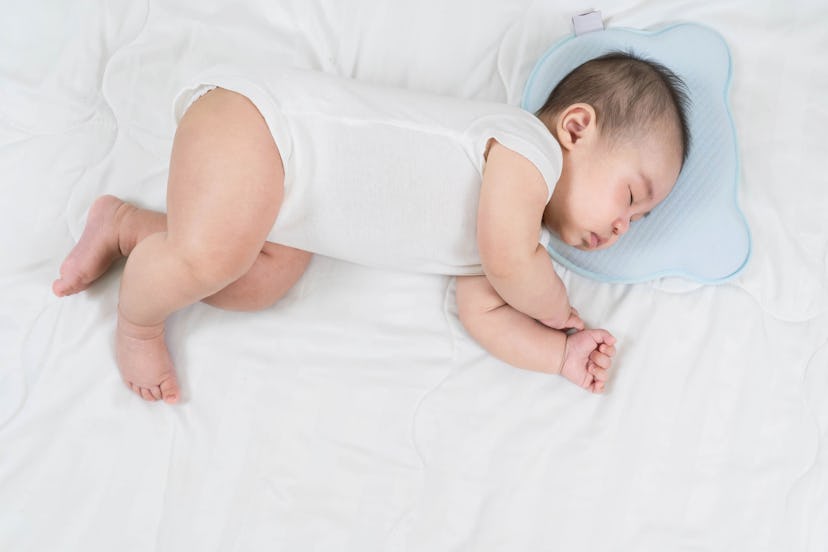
[[275, 271], [114, 228], [224, 192]]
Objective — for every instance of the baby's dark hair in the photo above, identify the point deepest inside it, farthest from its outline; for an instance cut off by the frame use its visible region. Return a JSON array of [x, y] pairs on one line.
[[628, 94]]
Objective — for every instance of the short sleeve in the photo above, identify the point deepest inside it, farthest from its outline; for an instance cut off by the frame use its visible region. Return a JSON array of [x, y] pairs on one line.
[[523, 133]]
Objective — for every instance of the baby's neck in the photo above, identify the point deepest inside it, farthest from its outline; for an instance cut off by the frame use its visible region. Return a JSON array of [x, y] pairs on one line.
[[549, 220], [549, 123]]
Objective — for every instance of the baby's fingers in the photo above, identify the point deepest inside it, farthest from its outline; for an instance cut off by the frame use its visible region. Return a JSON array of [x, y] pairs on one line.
[[600, 336], [608, 350], [600, 359], [597, 387], [597, 372]]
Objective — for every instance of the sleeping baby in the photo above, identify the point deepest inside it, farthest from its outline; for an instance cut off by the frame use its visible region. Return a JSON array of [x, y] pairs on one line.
[[267, 170]]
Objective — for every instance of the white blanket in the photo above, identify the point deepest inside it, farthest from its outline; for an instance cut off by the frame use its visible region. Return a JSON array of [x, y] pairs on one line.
[[357, 414]]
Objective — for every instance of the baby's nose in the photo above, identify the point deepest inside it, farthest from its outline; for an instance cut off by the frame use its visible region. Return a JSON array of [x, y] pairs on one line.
[[620, 226]]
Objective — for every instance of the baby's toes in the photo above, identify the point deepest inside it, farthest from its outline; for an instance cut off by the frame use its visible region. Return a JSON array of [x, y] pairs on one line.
[[146, 394], [135, 388], [168, 389]]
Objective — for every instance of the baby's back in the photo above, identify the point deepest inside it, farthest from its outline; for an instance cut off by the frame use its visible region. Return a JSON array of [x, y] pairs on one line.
[[384, 176]]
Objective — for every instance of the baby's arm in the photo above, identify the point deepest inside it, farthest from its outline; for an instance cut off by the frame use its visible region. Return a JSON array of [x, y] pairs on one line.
[[584, 357], [512, 201]]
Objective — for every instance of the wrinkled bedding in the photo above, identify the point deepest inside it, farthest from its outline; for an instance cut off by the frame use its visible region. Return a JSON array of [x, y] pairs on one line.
[[357, 414]]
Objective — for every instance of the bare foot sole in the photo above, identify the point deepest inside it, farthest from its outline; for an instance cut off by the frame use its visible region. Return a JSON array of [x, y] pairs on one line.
[[144, 361], [97, 249]]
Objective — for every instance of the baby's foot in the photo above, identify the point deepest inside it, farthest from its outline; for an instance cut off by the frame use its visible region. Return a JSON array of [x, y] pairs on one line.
[[145, 362], [97, 249]]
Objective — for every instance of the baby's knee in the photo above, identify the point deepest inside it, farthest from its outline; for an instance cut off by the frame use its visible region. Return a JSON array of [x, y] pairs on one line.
[[213, 264]]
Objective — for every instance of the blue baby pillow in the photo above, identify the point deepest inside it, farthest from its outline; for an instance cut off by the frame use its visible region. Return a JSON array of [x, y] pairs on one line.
[[698, 232]]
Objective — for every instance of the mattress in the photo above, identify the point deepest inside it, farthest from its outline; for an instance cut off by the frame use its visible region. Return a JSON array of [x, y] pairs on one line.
[[357, 414]]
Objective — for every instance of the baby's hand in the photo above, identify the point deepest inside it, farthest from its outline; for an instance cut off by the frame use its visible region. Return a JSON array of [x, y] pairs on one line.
[[588, 358], [574, 322]]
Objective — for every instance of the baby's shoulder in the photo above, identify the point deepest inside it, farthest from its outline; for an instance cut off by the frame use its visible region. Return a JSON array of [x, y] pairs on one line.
[[515, 162], [503, 158]]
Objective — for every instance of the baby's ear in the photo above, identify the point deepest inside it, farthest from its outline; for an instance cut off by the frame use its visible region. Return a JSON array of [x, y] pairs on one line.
[[576, 123]]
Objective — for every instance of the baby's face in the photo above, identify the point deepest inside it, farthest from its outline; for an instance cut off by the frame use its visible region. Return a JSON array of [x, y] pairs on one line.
[[603, 189]]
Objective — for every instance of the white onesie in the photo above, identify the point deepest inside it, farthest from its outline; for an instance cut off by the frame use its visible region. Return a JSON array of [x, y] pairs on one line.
[[377, 175]]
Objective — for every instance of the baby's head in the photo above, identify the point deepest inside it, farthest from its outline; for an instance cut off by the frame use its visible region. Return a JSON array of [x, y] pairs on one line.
[[621, 123]]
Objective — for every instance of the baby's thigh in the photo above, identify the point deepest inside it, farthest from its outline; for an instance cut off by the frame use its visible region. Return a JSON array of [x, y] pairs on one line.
[[286, 263], [226, 177], [275, 272]]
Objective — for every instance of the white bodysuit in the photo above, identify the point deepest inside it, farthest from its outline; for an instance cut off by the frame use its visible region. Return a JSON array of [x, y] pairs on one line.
[[381, 176]]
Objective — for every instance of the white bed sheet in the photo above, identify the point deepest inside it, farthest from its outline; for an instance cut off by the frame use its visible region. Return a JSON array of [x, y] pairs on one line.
[[357, 414]]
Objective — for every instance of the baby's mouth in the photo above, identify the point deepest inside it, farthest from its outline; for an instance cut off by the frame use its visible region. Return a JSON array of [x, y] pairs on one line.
[[594, 241]]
